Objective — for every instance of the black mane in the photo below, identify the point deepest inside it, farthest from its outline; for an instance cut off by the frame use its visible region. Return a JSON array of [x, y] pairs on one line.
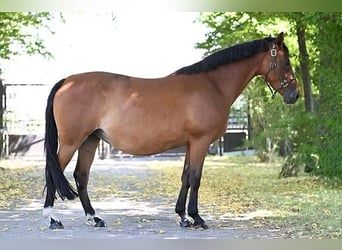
[[228, 55]]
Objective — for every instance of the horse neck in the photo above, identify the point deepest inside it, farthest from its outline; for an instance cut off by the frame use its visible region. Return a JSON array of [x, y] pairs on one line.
[[231, 79]]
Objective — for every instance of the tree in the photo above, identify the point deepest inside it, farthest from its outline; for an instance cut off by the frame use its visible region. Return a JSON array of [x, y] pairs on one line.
[[16, 37], [304, 62], [329, 111]]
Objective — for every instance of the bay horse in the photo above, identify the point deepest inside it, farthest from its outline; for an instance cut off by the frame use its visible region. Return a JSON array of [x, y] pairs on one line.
[[148, 116]]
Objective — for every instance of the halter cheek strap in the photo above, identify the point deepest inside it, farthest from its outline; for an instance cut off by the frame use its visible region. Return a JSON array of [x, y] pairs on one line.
[[273, 65]]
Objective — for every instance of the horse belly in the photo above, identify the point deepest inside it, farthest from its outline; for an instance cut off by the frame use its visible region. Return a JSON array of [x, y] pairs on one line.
[[138, 139]]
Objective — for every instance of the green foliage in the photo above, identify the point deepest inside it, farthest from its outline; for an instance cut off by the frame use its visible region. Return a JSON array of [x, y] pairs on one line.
[[270, 121], [16, 37], [226, 29], [329, 42], [229, 28]]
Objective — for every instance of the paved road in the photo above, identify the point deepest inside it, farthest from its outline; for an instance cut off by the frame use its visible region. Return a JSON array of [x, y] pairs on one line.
[[126, 217]]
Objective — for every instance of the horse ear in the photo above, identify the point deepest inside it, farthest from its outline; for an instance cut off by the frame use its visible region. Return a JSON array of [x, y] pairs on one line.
[[280, 39]]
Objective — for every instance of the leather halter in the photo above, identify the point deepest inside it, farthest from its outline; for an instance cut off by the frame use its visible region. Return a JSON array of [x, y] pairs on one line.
[[283, 83]]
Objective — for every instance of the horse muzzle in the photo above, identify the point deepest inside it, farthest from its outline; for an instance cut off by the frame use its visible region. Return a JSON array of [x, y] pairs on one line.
[[291, 95]]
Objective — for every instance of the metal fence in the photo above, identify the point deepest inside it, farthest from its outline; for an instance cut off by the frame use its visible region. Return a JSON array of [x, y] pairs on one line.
[[22, 118]]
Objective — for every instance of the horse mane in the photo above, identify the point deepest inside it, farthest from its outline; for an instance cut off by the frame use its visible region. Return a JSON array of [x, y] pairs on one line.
[[227, 55]]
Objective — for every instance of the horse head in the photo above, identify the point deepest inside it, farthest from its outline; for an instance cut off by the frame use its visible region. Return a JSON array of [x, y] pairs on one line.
[[277, 71]]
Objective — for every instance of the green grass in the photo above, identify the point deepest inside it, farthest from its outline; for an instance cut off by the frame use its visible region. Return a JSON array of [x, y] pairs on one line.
[[231, 187], [303, 205]]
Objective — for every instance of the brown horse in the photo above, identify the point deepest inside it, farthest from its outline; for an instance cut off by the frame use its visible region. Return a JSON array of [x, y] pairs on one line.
[[148, 116]]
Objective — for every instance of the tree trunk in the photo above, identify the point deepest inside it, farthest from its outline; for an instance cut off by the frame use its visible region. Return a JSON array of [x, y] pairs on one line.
[[2, 109], [304, 68]]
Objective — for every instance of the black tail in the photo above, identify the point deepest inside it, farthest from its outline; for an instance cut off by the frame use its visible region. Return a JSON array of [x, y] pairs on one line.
[[54, 176]]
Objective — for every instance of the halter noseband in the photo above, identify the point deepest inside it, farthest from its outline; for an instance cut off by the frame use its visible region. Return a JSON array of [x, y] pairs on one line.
[[273, 64]]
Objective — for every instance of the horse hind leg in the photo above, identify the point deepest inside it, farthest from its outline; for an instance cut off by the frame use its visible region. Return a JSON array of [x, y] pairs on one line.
[[85, 158], [65, 154], [48, 212]]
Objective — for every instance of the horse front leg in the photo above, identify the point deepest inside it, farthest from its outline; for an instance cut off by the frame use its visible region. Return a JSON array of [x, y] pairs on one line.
[[197, 155], [180, 205], [195, 179]]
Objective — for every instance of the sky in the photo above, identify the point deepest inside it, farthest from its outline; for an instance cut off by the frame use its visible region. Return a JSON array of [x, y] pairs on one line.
[[143, 44]]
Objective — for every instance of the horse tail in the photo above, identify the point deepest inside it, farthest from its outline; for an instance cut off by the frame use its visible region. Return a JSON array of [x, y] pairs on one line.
[[54, 176]]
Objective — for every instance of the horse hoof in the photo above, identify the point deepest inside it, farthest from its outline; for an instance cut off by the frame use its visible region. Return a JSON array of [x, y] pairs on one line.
[[185, 223], [99, 222], [54, 224], [200, 225]]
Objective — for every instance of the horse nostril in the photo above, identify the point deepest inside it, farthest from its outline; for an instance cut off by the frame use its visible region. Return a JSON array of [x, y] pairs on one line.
[[297, 96]]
